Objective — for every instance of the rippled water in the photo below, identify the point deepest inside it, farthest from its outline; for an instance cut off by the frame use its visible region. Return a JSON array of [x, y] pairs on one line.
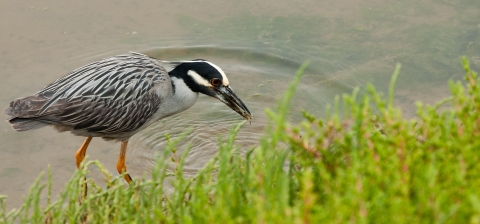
[[259, 45], [258, 78]]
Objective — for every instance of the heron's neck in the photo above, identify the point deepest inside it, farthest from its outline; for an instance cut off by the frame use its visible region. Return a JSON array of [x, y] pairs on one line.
[[182, 96], [179, 99]]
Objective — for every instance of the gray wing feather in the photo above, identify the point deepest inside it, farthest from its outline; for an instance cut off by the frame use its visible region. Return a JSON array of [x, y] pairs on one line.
[[116, 94]]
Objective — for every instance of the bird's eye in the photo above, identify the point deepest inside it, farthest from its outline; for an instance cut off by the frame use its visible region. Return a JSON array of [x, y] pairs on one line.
[[215, 82]]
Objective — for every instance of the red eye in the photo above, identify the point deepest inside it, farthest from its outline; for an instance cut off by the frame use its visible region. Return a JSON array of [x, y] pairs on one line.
[[215, 82]]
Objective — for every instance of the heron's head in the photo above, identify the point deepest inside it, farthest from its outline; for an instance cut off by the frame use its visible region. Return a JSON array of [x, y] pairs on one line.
[[205, 77]]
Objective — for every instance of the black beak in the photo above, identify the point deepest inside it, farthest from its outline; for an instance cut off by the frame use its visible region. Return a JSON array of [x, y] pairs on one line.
[[227, 96]]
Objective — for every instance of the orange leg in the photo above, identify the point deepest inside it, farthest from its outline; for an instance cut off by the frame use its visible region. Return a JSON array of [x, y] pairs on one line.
[[80, 155], [121, 167]]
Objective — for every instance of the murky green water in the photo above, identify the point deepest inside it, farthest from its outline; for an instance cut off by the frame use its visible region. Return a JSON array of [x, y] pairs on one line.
[[259, 45]]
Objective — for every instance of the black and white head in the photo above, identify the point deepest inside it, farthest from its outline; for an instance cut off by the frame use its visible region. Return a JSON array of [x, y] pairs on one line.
[[205, 77]]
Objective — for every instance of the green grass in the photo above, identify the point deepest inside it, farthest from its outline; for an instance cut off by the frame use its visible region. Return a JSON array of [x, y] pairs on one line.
[[364, 163]]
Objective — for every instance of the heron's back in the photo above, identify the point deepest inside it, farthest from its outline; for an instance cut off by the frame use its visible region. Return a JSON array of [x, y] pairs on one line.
[[114, 95]]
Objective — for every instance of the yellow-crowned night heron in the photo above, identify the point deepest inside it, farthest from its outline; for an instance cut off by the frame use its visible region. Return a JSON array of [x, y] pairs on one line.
[[116, 97]]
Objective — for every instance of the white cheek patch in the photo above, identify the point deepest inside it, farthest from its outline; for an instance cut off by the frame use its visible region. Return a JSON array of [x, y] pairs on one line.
[[224, 77], [198, 78]]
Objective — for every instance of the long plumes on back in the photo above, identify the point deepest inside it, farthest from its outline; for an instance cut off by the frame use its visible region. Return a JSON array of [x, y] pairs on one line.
[[25, 124], [22, 110], [115, 94]]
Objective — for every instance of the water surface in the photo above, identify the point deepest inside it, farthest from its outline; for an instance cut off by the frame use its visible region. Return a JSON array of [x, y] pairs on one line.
[[258, 44]]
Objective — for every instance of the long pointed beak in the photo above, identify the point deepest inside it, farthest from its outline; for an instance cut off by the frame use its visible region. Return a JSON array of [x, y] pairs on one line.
[[227, 96]]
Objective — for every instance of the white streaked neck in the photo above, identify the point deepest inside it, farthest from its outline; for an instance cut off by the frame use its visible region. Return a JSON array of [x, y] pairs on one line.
[[182, 97], [174, 102]]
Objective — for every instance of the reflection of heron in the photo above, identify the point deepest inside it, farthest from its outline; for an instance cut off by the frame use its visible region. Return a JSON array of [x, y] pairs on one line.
[[116, 97]]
